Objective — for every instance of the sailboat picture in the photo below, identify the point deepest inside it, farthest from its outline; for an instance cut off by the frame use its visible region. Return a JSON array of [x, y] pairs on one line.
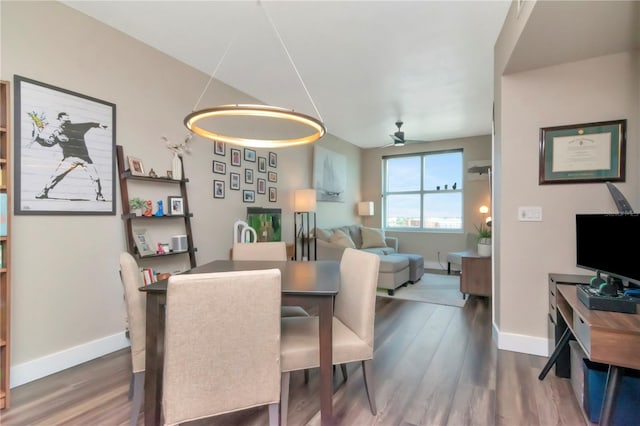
[[329, 175]]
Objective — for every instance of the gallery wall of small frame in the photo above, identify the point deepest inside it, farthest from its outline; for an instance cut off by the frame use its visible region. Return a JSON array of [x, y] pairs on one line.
[[244, 169]]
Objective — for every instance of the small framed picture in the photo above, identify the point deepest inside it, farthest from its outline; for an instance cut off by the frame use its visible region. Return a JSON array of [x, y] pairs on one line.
[[169, 174], [234, 181], [219, 167], [249, 155], [218, 189], [273, 194], [248, 196], [135, 166], [272, 177], [248, 175], [163, 248], [262, 164], [219, 148], [262, 186], [273, 159], [176, 206], [143, 243], [235, 157]]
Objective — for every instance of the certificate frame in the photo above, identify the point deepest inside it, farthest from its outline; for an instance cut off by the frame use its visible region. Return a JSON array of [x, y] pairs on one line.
[[583, 153]]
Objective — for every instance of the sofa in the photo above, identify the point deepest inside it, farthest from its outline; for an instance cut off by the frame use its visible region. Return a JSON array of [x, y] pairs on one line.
[[396, 269]]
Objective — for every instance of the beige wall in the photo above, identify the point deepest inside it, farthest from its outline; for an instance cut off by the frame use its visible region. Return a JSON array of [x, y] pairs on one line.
[[66, 292], [476, 193], [596, 89]]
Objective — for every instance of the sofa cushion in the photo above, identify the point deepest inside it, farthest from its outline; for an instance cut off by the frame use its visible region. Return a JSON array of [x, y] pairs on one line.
[[372, 237], [323, 234], [340, 238], [355, 231], [380, 250]]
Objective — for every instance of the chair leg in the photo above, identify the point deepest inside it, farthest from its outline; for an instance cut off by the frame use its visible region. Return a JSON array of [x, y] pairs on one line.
[[343, 367], [273, 414], [284, 397], [367, 372], [138, 396]]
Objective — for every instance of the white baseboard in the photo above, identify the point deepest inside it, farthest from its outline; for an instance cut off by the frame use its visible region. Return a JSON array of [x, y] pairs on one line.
[[53, 363], [521, 343]]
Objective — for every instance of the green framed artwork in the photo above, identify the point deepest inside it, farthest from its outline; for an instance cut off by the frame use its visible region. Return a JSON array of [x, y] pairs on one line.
[[583, 153]]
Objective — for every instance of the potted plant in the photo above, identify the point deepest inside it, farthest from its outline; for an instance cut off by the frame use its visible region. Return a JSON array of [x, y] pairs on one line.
[[136, 205], [484, 240]]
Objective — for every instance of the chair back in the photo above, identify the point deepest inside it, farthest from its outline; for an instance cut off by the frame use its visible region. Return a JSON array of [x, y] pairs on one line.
[[222, 343], [273, 250], [136, 303], [356, 301]]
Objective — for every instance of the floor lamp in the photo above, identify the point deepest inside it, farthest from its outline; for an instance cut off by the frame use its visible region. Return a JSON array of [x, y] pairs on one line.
[[304, 206]]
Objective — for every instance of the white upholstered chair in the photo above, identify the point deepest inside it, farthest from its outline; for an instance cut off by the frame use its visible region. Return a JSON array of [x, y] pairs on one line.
[[219, 356], [136, 319], [273, 250], [353, 321]]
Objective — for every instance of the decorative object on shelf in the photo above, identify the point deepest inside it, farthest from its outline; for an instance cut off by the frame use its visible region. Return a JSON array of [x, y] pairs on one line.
[[178, 150], [176, 166], [169, 174], [176, 206], [583, 153], [147, 208], [195, 121], [160, 211], [243, 233], [218, 189], [65, 145], [153, 174], [365, 208], [135, 166], [161, 249], [143, 243], [304, 203], [136, 205]]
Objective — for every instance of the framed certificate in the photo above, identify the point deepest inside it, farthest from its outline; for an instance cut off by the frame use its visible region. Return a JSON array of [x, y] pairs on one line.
[[583, 153]]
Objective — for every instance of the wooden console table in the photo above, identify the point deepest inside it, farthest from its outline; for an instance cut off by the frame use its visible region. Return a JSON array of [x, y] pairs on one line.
[[475, 277], [607, 337]]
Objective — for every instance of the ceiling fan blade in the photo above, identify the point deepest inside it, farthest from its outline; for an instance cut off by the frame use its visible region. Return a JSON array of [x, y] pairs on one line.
[[396, 138]]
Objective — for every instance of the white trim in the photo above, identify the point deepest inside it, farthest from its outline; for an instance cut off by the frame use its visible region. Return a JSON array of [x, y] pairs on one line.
[[521, 343], [52, 363]]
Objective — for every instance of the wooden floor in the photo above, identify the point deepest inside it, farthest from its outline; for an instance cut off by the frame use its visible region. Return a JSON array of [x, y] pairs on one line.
[[433, 365]]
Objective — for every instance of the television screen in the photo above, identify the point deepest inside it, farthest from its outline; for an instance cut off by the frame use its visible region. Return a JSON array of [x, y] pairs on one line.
[[266, 222], [606, 242]]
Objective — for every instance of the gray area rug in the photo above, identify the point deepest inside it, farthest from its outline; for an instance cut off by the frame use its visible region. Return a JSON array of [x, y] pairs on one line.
[[432, 288]]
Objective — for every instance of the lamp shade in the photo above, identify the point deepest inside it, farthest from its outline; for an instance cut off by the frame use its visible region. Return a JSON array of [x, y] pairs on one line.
[[365, 208], [304, 200]]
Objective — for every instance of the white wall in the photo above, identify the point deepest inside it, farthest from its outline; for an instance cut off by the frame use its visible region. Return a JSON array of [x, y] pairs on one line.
[[67, 301]]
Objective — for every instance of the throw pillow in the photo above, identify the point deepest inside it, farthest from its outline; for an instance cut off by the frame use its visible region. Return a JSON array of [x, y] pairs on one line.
[[340, 238], [323, 234], [372, 237]]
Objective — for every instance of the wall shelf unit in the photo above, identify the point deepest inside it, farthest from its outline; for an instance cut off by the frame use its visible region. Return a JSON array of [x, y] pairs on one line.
[[5, 246], [129, 218]]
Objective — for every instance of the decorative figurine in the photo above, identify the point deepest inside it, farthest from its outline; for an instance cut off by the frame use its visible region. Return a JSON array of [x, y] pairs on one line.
[[446, 187], [438, 188], [152, 173], [147, 208], [455, 184], [160, 211]]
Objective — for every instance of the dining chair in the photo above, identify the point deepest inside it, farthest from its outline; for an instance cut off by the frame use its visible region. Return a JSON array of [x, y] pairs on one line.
[[221, 357], [136, 318], [272, 250], [354, 315]]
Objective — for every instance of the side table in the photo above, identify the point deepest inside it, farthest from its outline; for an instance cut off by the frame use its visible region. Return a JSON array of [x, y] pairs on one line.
[[475, 277]]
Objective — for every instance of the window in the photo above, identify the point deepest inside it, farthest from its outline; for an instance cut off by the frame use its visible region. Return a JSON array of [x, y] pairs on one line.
[[423, 191]]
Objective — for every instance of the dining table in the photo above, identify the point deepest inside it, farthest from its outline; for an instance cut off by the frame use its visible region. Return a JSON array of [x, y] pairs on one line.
[[303, 283]]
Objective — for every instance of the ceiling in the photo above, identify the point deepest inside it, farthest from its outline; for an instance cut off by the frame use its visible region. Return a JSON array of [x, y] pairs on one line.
[[365, 64]]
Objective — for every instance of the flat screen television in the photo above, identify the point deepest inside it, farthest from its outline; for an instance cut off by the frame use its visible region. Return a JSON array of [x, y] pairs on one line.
[[266, 222], [606, 242]]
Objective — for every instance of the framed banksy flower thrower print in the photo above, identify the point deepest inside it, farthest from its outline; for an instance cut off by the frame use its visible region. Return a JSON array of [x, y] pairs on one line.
[[64, 151]]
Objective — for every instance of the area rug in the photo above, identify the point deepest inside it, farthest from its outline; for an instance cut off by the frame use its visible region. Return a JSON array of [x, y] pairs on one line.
[[432, 288]]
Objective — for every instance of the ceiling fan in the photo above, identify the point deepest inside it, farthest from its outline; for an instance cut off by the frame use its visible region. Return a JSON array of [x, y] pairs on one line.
[[398, 137]]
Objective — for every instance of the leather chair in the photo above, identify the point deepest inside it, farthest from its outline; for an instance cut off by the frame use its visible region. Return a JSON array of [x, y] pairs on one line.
[[353, 321], [219, 356], [136, 319], [273, 250]]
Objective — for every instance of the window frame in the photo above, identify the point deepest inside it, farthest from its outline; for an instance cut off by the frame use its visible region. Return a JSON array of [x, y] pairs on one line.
[[421, 192]]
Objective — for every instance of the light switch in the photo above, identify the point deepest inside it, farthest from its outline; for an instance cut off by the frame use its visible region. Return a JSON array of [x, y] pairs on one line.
[[530, 214]]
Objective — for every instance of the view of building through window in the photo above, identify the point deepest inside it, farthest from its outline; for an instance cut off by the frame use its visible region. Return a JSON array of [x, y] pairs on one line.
[[423, 191]]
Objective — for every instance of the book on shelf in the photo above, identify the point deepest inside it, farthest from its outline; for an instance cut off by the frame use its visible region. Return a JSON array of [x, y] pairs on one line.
[[3, 214]]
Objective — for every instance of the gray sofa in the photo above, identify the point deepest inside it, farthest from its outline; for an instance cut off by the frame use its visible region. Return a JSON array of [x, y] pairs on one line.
[[396, 269]]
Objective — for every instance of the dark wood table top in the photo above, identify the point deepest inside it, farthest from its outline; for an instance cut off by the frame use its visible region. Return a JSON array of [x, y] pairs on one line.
[[298, 278]]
